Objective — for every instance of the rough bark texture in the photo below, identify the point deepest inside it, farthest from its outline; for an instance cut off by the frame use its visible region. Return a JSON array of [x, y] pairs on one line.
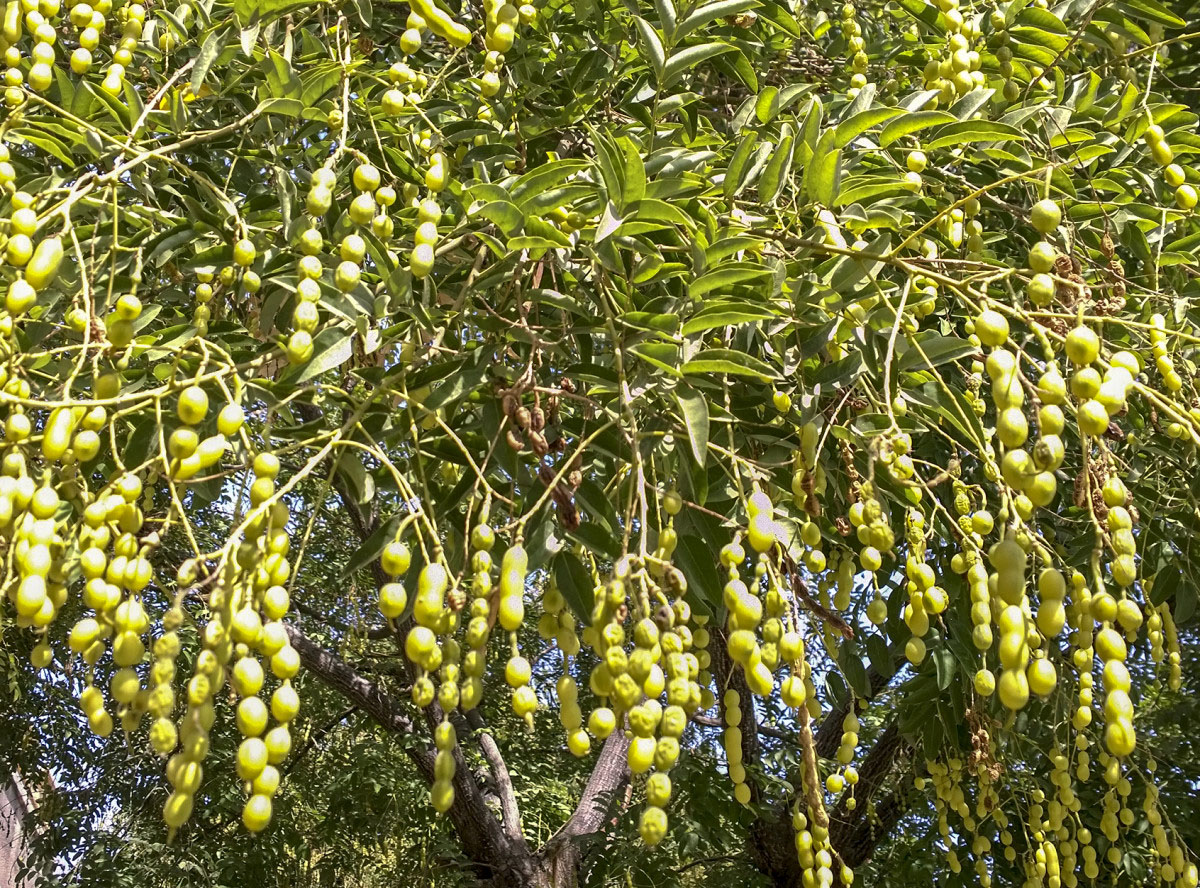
[[563, 854]]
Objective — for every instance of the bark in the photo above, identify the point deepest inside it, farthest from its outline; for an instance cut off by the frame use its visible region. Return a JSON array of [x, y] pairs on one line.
[[563, 854]]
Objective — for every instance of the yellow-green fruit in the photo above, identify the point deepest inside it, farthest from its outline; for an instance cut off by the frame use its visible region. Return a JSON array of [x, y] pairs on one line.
[[1082, 346], [257, 813], [193, 405], [1013, 688], [441, 794], [392, 600], [43, 265], [244, 253], [1093, 418], [366, 177], [658, 790], [985, 683], [1042, 256], [1041, 677], [991, 327], [178, 809], [1045, 216], [653, 825], [421, 261], [602, 722]]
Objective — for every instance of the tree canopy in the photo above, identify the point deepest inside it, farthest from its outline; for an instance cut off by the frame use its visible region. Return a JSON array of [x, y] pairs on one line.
[[667, 439]]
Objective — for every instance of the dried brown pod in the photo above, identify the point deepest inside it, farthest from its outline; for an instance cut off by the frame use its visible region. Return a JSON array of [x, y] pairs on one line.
[[537, 442]]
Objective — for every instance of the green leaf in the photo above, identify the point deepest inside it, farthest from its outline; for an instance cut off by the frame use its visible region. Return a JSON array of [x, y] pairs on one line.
[[730, 314], [853, 670], [728, 362], [848, 130], [358, 482], [821, 176], [597, 539], [810, 133], [765, 106], [851, 270], [667, 17], [773, 177], [724, 278], [634, 172], [651, 45], [938, 350], [736, 173], [506, 215], [689, 58], [596, 504], [213, 44], [611, 162], [575, 583], [1151, 10], [912, 122], [654, 323], [972, 131], [694, 407], [249, 11], [456, 386], [695, 557], [281, 77], [943, 662], [926, 13], [881, 658], [711, 12], [372, 547], [331, 348]]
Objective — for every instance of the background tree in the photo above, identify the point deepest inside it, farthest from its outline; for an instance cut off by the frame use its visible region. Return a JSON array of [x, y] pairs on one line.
[[547, 411]]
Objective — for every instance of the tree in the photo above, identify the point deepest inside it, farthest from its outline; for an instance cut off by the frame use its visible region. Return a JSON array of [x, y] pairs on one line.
[[810, 374]]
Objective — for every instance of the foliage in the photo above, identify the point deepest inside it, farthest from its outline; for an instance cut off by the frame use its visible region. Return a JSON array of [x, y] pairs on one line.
[[829, 369]]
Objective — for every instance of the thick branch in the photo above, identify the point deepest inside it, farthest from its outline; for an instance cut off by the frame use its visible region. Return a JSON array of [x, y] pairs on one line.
[[315, 737], [608, 777], [859, 844], [509, 812], [811, 778], [766, 730], [366, 695], [374, 633], [562, 855], [729, 676]]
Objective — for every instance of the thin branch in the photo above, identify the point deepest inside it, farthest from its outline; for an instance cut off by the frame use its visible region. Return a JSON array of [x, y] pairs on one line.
[[711, 721]]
